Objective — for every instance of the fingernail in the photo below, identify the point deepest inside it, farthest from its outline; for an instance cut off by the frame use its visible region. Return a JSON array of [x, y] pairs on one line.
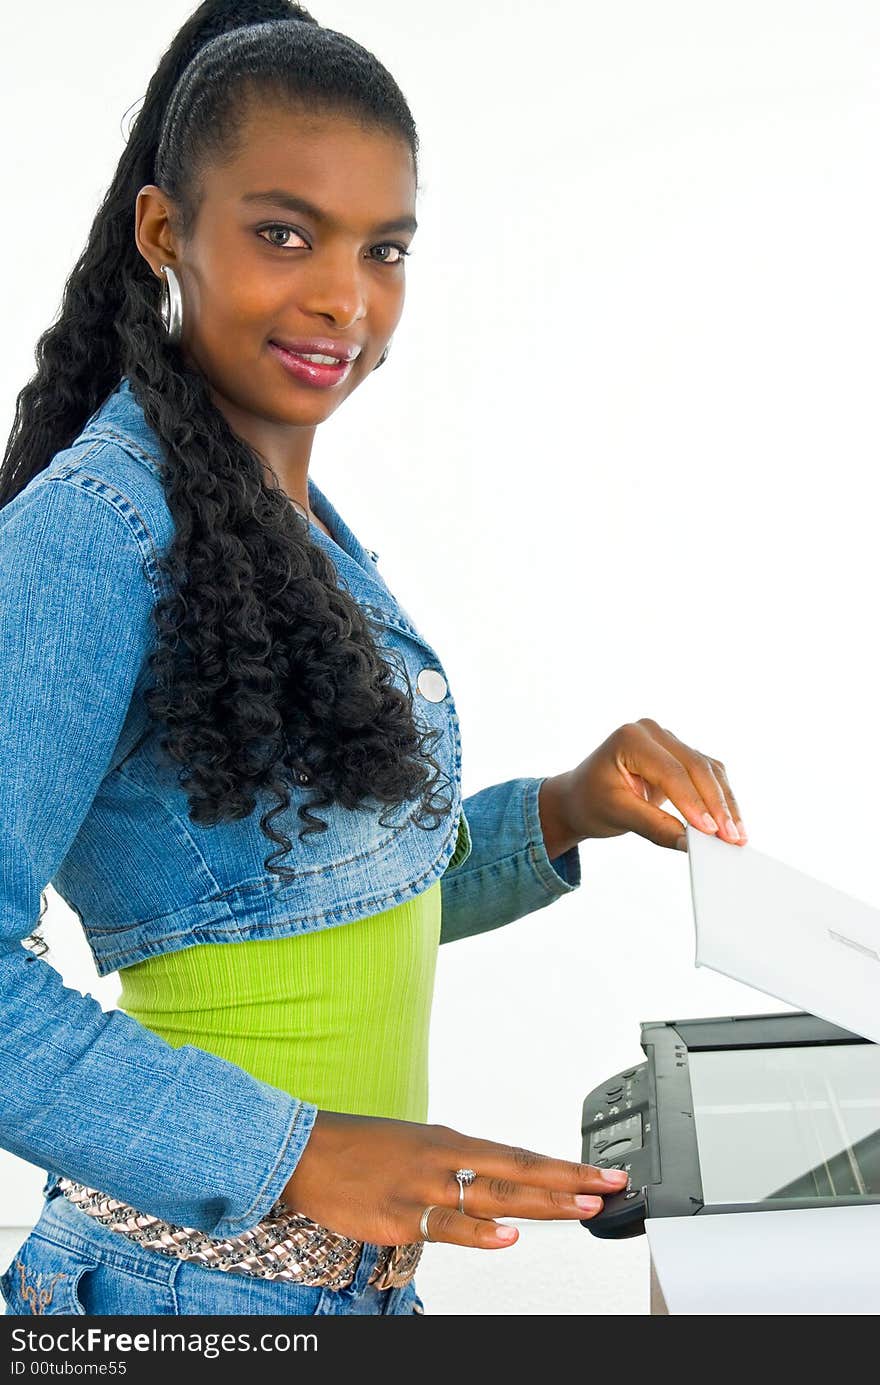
[[682, 844], [505, 1233], [742, 831], [589, 1204], [614, 1175], [731, 828], [709, 822]]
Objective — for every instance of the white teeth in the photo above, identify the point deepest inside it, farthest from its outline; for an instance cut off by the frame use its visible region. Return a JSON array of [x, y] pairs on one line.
[[318, 360]]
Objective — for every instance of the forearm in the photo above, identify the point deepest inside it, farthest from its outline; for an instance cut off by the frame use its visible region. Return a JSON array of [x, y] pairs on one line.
[[176, 1132], [509, 871]]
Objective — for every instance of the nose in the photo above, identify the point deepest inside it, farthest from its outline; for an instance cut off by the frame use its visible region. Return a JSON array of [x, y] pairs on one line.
[[334, 288]]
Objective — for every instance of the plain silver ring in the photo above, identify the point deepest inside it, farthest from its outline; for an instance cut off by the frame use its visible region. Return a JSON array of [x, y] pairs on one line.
[[423, 1222]]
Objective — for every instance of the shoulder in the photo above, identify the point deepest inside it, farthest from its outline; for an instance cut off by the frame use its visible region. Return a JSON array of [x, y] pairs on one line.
[[114, 469], [92, 509], [100, 500]]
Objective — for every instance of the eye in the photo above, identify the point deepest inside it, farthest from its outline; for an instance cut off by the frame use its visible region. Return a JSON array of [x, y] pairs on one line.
[[284, 230], [401, 251]]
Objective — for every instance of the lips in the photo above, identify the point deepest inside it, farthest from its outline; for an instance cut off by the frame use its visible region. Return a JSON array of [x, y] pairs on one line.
[[318, 346], [317, 374]]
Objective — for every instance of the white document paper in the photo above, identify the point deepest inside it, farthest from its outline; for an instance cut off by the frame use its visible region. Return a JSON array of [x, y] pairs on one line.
[[774, 928], [814, 1260]]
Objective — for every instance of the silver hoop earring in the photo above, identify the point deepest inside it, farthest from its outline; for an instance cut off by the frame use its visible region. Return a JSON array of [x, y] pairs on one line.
[[171, 304], [383, 358]]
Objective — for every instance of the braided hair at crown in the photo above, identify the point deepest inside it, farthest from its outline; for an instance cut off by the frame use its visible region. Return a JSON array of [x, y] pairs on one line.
[[267, 672]]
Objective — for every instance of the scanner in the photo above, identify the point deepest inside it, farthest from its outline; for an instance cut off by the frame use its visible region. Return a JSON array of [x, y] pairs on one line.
[[737, 1114]]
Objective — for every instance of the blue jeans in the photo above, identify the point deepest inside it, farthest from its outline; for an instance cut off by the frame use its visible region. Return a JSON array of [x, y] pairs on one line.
[[70, 1263]]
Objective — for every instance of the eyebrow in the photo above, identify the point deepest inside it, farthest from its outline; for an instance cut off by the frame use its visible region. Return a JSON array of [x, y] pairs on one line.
[[279, 198]]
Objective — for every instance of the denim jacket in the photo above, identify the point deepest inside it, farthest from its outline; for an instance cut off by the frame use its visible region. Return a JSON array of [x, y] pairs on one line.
[[91, 805]]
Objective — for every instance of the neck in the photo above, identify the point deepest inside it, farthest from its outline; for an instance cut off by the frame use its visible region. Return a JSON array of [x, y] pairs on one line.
[[283, 449]]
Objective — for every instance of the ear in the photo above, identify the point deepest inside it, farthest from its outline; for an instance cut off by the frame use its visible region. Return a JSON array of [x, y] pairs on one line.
[[153, 231]]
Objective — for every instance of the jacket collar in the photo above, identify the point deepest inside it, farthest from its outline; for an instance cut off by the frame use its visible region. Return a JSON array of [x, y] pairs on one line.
[[121, 418]]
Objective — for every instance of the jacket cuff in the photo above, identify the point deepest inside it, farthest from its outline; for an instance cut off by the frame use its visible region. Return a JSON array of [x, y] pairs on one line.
[[295, 1140], [562, 874]]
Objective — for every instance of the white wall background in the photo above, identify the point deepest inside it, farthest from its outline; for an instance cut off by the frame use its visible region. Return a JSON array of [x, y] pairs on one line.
[[621, 463]]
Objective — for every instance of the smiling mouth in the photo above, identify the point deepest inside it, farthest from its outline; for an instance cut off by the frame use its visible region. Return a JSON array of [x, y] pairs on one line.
[[317, 368], [337, 351]]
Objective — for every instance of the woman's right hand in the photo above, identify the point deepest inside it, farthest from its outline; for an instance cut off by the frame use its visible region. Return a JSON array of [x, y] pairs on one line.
[[371, 1178]]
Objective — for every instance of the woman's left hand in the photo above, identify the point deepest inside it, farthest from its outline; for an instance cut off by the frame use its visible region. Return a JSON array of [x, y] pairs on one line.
[[620, 786]]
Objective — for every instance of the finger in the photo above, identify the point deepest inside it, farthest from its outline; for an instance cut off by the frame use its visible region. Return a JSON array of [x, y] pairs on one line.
[[457, 1229], [703, 774], [663, 829], [503, 1197], [710, 777], [491, 1160], [651, 759], [721, 775]]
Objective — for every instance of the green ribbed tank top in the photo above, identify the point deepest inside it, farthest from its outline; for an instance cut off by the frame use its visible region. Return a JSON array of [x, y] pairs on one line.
[[339, 1016]]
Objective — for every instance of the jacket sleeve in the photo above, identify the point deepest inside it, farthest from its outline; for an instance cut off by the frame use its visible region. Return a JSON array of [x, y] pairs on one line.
[[176, 1132], [507, 872]]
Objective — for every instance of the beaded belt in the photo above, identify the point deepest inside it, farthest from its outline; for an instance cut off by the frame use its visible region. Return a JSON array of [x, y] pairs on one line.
[[283, 1245]]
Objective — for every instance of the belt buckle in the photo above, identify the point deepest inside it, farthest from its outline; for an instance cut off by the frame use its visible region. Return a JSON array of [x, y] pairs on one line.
[[396, 1265]]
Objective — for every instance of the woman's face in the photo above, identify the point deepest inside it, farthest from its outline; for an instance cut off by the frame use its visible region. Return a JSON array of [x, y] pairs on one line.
[[299, 240]]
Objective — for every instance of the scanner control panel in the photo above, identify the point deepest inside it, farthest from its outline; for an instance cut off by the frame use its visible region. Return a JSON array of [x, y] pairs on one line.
[[618, 1127]]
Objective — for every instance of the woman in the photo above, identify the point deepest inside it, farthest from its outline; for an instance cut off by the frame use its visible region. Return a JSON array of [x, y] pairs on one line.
[[247, 1132]]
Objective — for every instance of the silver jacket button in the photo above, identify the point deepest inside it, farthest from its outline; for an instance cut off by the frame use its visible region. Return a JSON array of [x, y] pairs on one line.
[[431, 684]]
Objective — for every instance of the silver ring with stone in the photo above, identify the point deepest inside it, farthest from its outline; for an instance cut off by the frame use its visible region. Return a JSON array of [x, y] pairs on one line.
[[465, 1177]]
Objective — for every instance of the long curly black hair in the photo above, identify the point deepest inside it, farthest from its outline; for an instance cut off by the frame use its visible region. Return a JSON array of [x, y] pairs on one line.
[[266, 669]]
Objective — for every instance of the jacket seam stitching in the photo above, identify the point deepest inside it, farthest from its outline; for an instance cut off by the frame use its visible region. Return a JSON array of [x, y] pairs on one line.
[[74, 463], [224, 895], [315, 870], [149, 553], [179, 825], [221, 897], [117, 958], [109, 432]]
